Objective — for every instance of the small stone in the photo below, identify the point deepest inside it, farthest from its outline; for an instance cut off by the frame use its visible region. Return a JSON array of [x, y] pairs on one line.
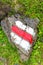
[[3, 60]]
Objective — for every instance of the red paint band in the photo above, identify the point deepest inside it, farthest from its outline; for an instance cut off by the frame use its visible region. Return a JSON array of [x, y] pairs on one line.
[[22, 33]]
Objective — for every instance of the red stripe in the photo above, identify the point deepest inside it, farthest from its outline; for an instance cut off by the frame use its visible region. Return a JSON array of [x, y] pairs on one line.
[[22, 34]]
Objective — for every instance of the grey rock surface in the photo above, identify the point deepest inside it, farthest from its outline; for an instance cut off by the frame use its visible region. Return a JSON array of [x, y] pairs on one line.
[[6, 26]]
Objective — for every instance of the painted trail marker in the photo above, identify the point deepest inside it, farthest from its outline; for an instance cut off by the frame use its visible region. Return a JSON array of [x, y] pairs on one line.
[[22, 32]]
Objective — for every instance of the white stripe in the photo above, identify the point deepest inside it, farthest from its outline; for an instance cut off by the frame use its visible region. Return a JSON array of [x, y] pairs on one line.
[[12, 34], [17, 39], [26, 45], [20, 25], [30, 30]]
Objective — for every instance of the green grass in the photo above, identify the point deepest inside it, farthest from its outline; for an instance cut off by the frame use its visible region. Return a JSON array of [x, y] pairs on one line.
[[31, 9]]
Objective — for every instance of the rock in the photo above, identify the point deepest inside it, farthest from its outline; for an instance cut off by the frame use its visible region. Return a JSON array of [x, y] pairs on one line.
[[22, 32], [4, 9], [3, 60]]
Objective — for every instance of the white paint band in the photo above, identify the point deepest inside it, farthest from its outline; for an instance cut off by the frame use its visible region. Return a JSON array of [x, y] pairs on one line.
[[18, 40], [24, 27], [30, 30], [20, 25], [26, 45]]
